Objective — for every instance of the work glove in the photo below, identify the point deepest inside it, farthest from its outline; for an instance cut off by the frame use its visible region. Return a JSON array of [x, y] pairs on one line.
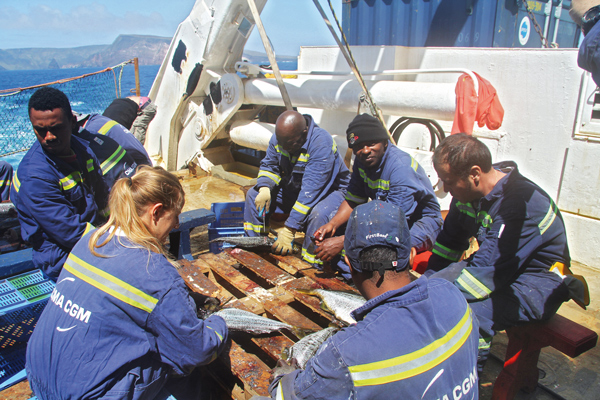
[[263, 200], [284, 243]]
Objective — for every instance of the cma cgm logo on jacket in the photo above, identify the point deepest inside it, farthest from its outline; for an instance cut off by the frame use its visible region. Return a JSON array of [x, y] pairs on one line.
[[71, 308]]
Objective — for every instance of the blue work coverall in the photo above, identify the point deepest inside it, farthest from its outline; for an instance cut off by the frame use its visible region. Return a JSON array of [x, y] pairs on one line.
[[115, 161], [310, 186], [58, 202], [102, 125], [400, 180], [589, 53], [118, 327], [419, 341], [521, 235]]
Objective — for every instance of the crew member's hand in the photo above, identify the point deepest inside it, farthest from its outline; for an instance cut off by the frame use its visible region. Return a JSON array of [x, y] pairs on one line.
[[263, 200], [327, 230], [283, 368], [329, 248], [284, 243]]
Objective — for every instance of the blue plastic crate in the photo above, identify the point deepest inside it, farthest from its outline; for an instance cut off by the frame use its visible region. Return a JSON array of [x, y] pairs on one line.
[[16, 327], [215, 233], [23, 289], [228, 214]]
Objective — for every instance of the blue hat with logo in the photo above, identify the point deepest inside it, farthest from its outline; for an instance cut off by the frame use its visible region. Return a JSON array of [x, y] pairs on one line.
[[377, 223]]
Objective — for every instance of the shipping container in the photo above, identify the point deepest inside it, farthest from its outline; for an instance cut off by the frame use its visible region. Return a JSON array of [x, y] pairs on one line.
[[459, 23]]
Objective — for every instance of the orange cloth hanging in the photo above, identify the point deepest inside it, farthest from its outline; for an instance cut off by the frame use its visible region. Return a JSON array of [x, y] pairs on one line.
[[485, 109]]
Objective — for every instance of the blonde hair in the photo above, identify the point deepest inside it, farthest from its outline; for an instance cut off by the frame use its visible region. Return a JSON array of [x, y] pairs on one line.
[[129, 199]]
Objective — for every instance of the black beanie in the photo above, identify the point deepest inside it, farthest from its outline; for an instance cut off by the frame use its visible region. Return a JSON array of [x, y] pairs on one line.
[[365, 128]]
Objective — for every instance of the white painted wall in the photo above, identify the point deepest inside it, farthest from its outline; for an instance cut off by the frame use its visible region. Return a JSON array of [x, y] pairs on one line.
[[539, 90]]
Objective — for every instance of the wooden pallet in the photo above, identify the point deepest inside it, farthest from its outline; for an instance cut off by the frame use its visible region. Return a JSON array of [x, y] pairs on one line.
[[263, 284]]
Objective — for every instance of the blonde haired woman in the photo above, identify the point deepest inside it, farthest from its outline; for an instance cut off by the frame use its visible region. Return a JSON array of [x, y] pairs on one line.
[[120, 322]]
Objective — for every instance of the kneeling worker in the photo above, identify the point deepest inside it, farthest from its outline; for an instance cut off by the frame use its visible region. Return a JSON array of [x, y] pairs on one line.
[[519, 273], [307, 178], [120, 323], [382, 172], [412, 340]]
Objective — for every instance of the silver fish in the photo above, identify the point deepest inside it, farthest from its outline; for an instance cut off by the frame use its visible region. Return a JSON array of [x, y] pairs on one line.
[[246, 321], [246, 242], [255, 242], [304, 349], [339, 303]]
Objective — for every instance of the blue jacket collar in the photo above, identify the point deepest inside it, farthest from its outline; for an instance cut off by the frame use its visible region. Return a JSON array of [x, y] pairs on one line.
[[413, 292], [512, 172]]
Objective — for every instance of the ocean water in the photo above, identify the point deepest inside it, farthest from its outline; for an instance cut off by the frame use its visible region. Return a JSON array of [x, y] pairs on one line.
[[27, 78]]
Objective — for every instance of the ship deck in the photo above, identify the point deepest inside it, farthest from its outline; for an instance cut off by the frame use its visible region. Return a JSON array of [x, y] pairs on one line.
[[265, 283]]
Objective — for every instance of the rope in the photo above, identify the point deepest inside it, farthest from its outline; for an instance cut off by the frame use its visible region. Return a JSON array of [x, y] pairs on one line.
[[345, 49]]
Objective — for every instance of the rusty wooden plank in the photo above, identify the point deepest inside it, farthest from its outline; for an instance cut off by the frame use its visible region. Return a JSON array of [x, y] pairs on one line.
[[20, 391], [273, 345], [272, 274], [223, 268], [312, 302], [196, 280], [290, 261], [324, 278], [249, 369], [288, 315]]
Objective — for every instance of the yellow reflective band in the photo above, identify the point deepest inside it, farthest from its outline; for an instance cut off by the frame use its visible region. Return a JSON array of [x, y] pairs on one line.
[[548, 219], [90, 165], [466, 208], [113, 160], [279, 392], [303, 157], [281, 151], [355, 199], [484, 343], [414, 164], [17, 183], [301, 208], [217, 333], [334, 146], [274, 177], [107, 127], [255, 228], [310, 258], [88, 227], [7, 181], [484, 219], [415, 363], [377, 184], [109, 284], [70, 181], [446, 252], [472, 285]]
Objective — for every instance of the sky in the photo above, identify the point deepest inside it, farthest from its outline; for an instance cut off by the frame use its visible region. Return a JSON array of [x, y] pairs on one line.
[[72, 23]]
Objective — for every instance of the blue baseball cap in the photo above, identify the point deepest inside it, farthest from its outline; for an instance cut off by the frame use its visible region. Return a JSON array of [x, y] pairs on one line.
[[377, 223]]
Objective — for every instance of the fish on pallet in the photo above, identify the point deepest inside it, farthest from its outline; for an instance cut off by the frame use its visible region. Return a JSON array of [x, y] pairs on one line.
[[253, 243], [339, 303], [246, 242], [246, 321], [304, 349]]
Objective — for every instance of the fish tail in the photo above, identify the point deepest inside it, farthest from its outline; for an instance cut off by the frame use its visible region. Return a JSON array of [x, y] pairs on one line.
[[301, 332]]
